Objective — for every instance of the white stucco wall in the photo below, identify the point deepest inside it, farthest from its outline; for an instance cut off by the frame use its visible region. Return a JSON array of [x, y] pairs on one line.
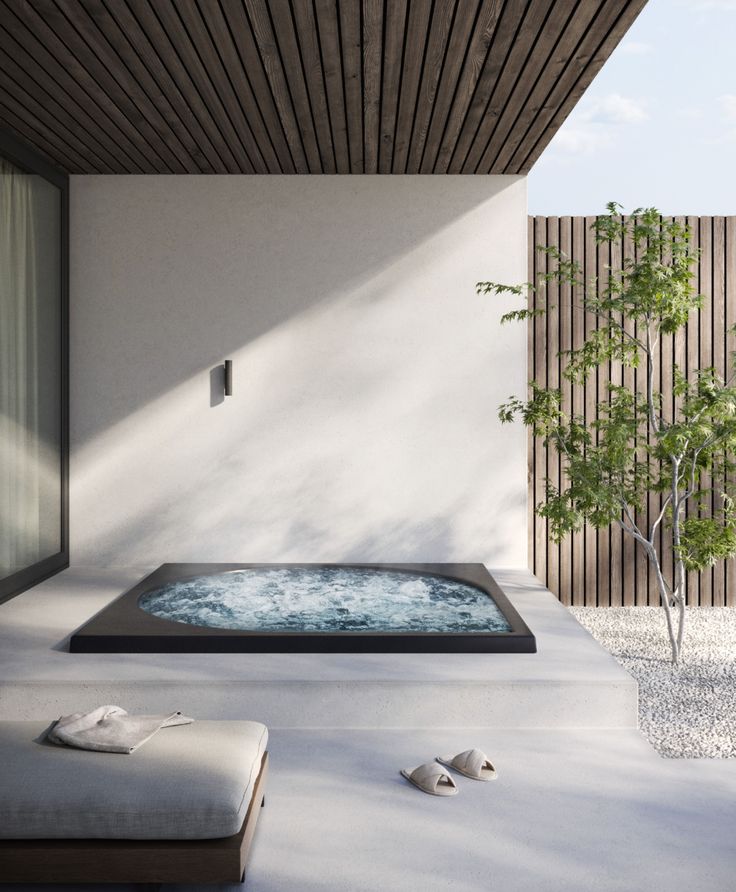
[[367, 372]]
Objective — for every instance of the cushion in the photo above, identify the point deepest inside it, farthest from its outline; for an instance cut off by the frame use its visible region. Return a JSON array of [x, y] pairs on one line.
[[188, 782]]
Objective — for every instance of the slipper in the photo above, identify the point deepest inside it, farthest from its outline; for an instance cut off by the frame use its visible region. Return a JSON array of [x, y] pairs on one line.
[[429, 778], [472, 763]]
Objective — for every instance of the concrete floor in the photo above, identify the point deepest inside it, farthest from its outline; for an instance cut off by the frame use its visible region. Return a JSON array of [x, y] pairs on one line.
[[577, 807], [571, 811], [570, 682]]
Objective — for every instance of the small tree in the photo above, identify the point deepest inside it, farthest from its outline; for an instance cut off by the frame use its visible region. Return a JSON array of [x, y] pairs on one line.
[[637, 445]]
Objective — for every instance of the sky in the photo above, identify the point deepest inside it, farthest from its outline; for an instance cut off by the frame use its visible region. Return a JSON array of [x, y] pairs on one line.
[[657, 127]]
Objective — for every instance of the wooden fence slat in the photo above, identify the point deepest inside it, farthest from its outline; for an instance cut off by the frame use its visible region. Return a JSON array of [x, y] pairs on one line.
[[729, 303], [531, 368], [553, 381], [654, 500], [705, 360], [578, 406], [667, 357], [540, 458], [603, 256], [630, 548], [641, 516], [719, 362], [565, 317], [692, 359], [615, 575], [605, 567], [590, 262]]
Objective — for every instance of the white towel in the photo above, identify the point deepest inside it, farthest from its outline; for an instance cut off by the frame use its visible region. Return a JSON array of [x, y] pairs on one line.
[[109, 729]]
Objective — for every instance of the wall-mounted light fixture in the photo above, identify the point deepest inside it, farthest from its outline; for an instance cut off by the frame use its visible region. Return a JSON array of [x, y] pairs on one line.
[[228, 377]]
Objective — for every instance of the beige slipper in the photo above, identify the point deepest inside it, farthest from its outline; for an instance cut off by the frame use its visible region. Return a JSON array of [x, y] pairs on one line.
[[472, 763], [429, 778]]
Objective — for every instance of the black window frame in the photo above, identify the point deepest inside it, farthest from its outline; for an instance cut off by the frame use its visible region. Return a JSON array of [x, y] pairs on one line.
[[30, 161]]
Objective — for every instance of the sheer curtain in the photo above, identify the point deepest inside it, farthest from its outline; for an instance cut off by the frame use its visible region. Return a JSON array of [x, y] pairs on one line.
[[29, 386]]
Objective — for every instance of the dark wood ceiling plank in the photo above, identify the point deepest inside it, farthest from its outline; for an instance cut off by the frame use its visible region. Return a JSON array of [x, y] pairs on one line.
[[535, 27], [443, 16], [533, 89], [306, 86], [19, 118], [305, 24], [173, 81], [504, 35], [215, 30], [173, 130], [66, 82], [229, 145], [288, 47], [417, 29], [23, 131], [232, 32], [372, 78], [17, 81], [232, 88], [352, 71], [460, 37], [84, 40], [393, 61], [49, 23], [480, 43], [268, 49], [546, 125], [328, 29], [40, 115]]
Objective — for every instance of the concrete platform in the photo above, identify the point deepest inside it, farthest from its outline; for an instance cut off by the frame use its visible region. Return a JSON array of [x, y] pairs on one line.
[[571, 811], [570, 683], [575, 808]]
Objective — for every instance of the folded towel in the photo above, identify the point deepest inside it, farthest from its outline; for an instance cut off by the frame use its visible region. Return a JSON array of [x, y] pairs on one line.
[[109, 729]]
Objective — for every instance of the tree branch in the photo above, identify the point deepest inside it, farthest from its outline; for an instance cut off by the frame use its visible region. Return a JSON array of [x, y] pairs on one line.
[[633, 531], [614, 322], [660, 516]]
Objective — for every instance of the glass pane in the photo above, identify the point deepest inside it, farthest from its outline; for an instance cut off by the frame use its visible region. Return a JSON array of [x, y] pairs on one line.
[[30, 367]]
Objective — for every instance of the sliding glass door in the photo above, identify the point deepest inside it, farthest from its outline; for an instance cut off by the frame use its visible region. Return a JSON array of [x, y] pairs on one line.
[[33, 369]]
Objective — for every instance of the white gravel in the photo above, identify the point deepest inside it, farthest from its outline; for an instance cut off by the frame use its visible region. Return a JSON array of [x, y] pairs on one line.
[[686, 711]]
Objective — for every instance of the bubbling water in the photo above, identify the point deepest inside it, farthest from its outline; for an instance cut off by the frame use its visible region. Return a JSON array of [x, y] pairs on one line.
[[326, 599]]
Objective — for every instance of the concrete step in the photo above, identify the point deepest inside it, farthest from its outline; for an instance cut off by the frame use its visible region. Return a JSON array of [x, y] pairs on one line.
[[348, 704], [570, 683]]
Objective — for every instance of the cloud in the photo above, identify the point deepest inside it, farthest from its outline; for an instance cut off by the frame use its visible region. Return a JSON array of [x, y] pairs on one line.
[[596, 123], [579, 140], [635, 48], [728, 105], [615, 109]]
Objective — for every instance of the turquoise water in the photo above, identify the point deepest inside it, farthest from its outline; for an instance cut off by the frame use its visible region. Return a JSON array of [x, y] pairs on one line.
[[326, 599]]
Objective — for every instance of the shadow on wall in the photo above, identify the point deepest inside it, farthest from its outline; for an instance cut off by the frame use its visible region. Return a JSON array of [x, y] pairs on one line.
[[171, 274], [366, 373]]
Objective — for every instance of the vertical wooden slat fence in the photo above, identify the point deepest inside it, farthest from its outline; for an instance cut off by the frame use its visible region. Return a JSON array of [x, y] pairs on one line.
[[605, 567]]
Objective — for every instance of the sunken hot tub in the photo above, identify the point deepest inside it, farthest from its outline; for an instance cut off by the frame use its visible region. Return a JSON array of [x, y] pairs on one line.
[[303, 608]]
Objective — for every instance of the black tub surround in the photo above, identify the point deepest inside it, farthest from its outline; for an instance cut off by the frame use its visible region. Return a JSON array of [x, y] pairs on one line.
[[303, 608]]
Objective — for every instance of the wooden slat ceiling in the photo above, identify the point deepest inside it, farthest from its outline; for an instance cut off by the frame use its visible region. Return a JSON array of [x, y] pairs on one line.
[[299, 86]]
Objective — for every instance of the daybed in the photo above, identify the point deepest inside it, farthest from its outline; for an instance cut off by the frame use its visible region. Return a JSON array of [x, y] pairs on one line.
[[181, 809]]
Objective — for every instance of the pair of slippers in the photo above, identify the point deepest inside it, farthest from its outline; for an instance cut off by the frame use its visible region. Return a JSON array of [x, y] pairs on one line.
[[430, 778]]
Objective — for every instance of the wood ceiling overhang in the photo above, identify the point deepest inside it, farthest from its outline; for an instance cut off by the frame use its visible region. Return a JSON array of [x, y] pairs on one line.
[[299, 86]]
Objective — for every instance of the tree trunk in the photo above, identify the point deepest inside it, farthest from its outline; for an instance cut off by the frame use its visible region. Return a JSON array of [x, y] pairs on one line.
[[680, 625], [665, 597], [678, 587]]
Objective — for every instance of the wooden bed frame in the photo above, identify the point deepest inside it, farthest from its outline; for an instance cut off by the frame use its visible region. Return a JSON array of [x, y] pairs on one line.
[[149, 861]]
